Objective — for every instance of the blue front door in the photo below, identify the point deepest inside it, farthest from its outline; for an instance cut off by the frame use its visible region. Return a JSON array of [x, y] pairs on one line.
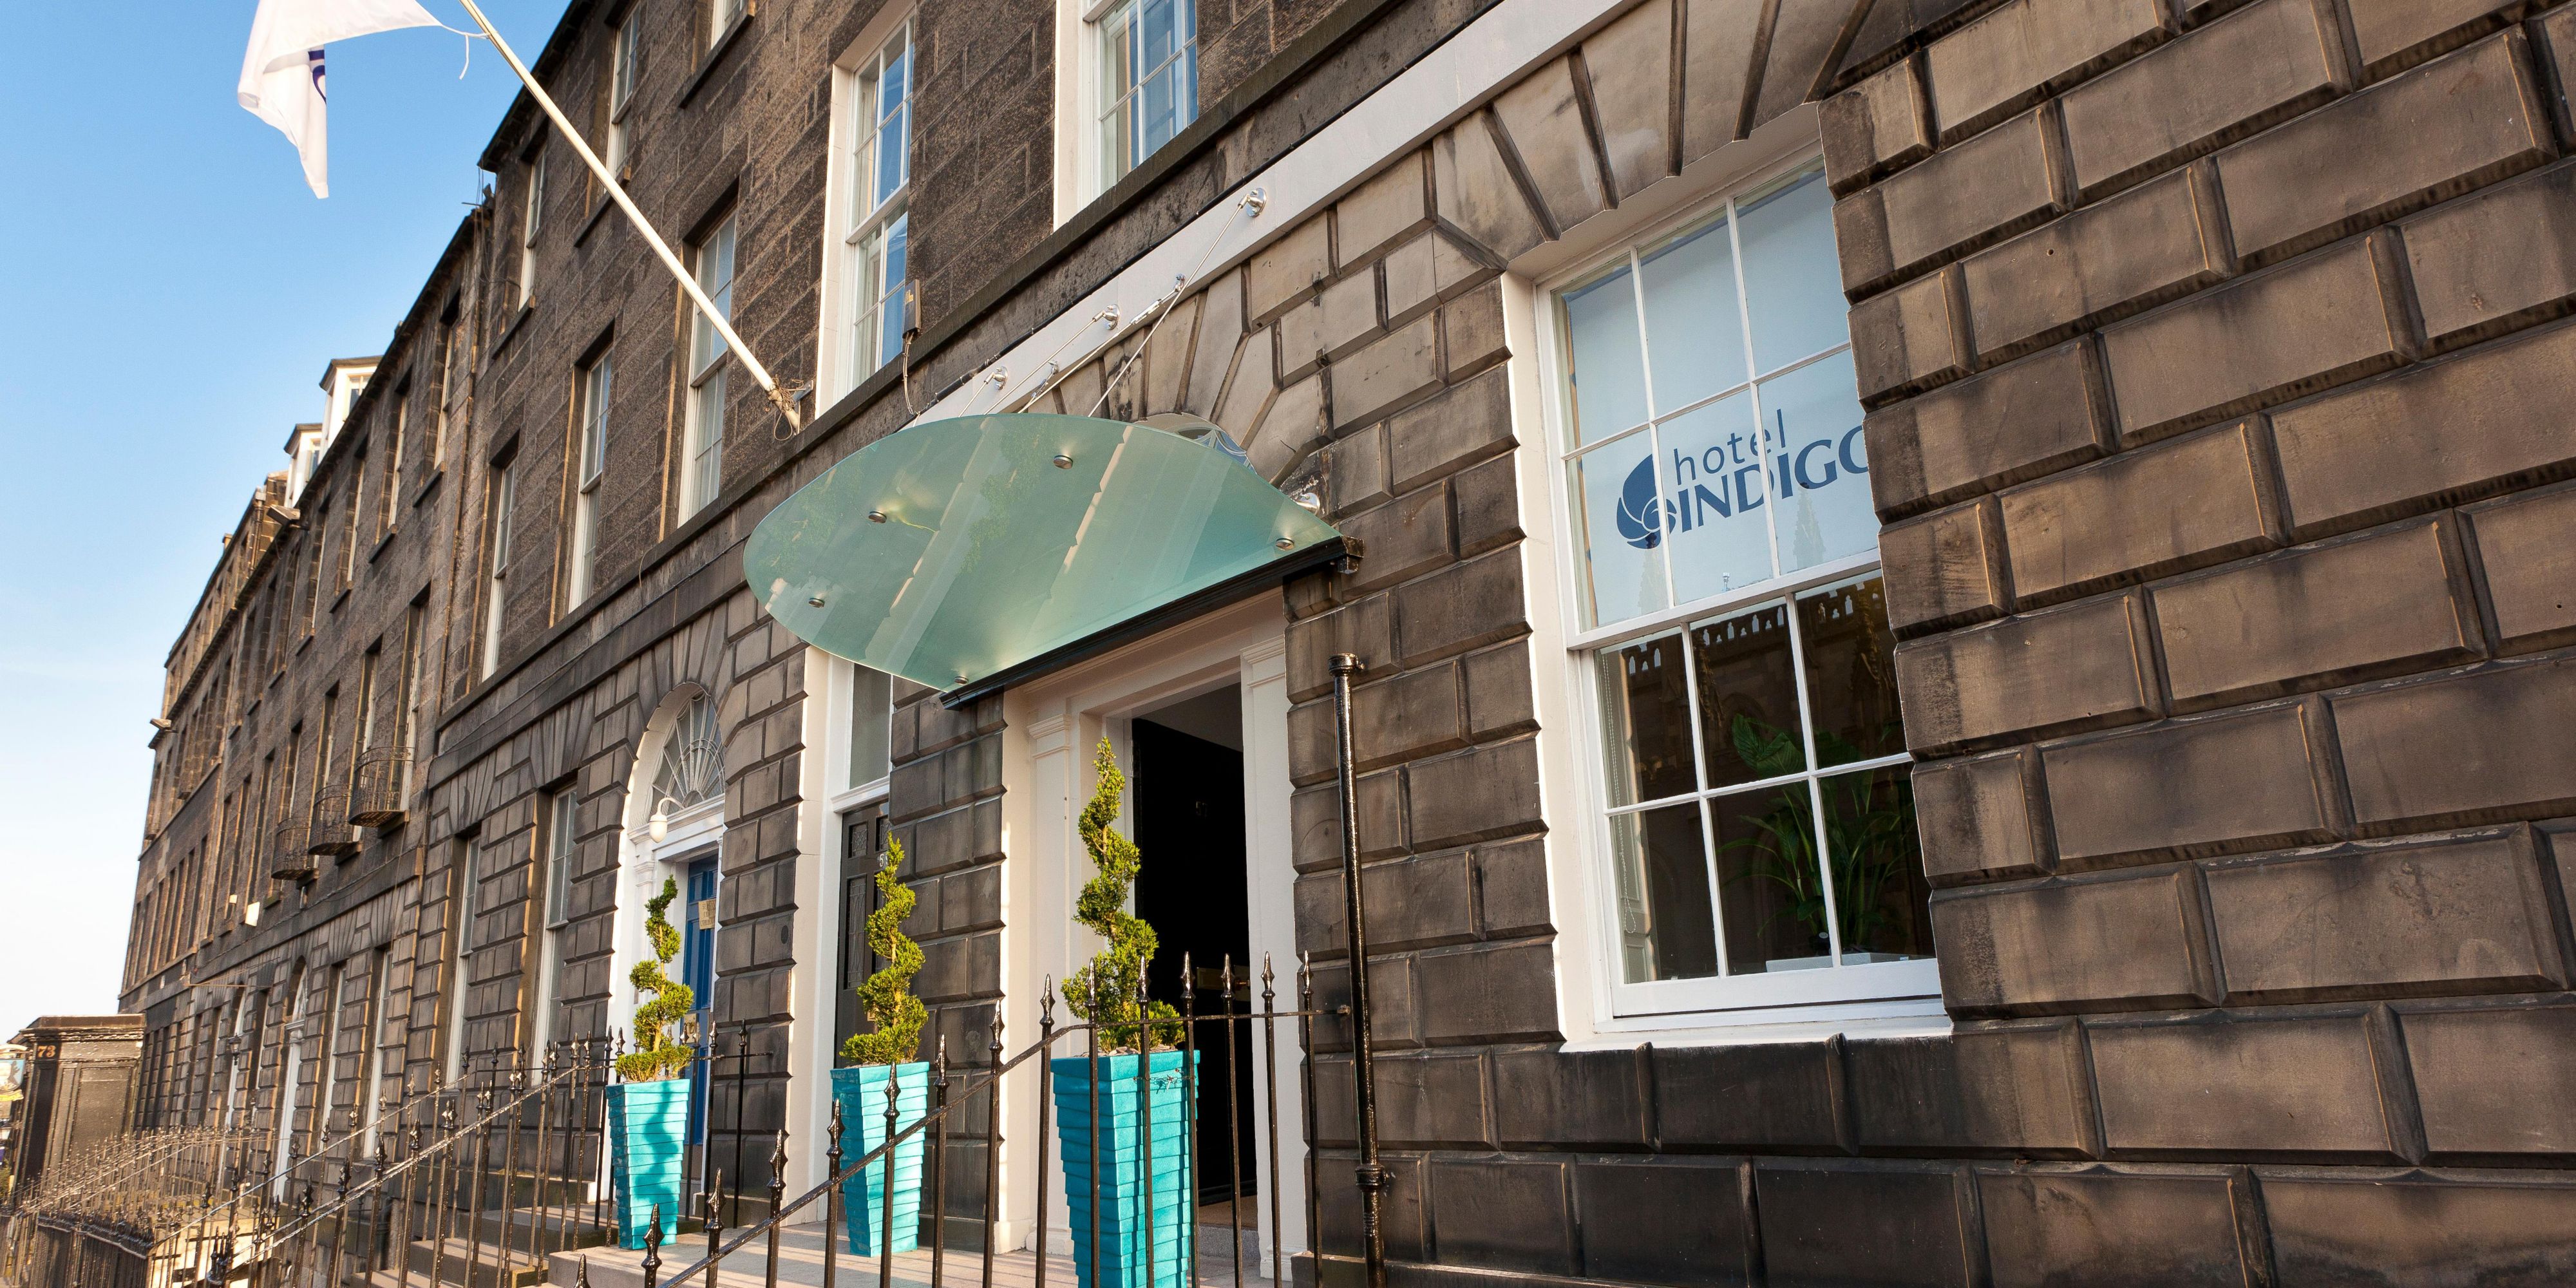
[[698, 971]]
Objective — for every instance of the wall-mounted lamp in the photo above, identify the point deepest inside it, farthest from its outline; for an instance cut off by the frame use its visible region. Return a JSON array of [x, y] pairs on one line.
[[659, 826]]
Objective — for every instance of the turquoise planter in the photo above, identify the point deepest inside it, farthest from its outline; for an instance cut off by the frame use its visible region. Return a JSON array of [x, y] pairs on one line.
[[1134, 1180], [648, 1133], [861, 1090]]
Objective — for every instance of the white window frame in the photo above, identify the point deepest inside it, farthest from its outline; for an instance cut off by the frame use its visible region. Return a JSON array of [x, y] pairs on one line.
[[451, 332], [1102, 20], [594, 385], [864, 223], [720, 18], [713, 262], [1838, 994], [532, 221], [1081, 57], [625, 55], [505, 487]]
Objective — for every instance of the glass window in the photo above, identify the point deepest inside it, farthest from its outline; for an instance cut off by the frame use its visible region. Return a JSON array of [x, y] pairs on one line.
[[531, 221], [871, 726], [721, 18], [591, 455], [878, 227], [624, 59], [692, 766], [1149, 80], [1712, 410], [497, 587], [702, 455], [1758, 799]]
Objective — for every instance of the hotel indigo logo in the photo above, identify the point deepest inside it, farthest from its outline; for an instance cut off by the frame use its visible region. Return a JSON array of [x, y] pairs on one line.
[[1726, 479]]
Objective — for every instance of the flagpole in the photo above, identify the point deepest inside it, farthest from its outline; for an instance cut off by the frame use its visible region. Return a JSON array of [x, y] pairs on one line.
[[689, 283]]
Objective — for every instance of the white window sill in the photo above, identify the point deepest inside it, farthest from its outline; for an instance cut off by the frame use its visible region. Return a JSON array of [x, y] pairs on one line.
[[1897, 1018]]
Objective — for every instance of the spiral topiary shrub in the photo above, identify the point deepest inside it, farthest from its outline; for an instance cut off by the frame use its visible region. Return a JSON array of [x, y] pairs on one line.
[[885, 997], [659, 1053], [1108, 990]]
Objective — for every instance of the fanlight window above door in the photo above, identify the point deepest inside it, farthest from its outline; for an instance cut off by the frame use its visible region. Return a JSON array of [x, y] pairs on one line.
[[692, 768]]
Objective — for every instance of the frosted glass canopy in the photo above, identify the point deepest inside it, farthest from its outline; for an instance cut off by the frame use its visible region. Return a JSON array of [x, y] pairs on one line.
[[955, 550]]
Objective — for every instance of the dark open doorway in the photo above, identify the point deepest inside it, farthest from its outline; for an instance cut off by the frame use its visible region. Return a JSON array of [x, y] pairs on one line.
[[1188, 798]]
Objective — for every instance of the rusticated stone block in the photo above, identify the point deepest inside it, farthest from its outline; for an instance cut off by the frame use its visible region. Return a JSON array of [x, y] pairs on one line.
[[1989, 1089], [1412, 903], [1489, 508], [1545, 123], [2064, 670], [2038, 415], [1404, 538], [2394, 33], [1983, 818], [1945, 568], [2123, 944], [1460, 427], [1829, 1225], [1285, 271], [1631, 72], [2429, 134], [1401, 717], [2175, 506], [1387, 207], [1875, 126], [1471, 332], [1910, 338], [1717, 65], [1358, 628], [1805, 34], [2461, 749], [2555, 33], [1475, 602], [2265, 339], [2497, 1084], [1478, 199], [1772, 1095], [1395, 1010], [1503, 994], [2222, 784], [1341, 318], [1497, 688], [2029, 47], [2465, 916], [1391, 372], [1511, 888], [1488, 791], [2419, 1230], [1503, 1214], [2387, 602], [2264, 63], [2046, 1229], [2225, 1087], [1680, 1223], [2476, 424], [1212, 353], [1425, 1101], [1337, 1207], [1964, 196], [1547, 1097], [2530, 567], [2105, 261], [1315, 819], [2464, 289], [1424, 271]]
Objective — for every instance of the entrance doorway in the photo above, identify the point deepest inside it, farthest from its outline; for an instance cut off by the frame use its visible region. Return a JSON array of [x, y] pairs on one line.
[[1187, 796], [698, 971]]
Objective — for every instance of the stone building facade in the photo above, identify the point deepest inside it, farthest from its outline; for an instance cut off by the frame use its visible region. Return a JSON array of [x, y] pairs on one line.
[[2092, 470]]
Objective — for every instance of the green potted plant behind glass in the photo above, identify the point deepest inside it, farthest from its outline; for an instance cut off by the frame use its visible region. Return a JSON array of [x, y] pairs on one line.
[[1144, 1178], [648, 1108], [874, 1057]]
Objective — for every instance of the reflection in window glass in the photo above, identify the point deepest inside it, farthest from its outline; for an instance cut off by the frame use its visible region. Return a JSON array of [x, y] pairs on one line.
[[1604, 361], [1792, 277], [1614, 493], [1666, 930], [1851, 672], [1690, 298], [1149, 81], [1645, 701], [871, 726], [1748, 696], [1819, 464], [1718, 506]]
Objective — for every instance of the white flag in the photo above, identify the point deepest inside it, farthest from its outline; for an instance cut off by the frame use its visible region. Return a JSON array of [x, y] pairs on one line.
[[281, 78]]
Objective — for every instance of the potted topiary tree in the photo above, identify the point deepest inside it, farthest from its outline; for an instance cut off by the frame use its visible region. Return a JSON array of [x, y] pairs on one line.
[[885, 1053], [648, 1108], [1142, 1207]]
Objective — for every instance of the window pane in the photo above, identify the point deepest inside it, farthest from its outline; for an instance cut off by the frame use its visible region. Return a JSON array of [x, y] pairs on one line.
[[1771, 888], [892, 150], [1879, 891], [863, 152], [1666, 929], [1622, 519], [1851, 671], [871, 731], [890, 301], [1748, 696], [1645, 705], [1692, 322], [1714, 510], [1604, 361], [1822, 461], [1792, 279]]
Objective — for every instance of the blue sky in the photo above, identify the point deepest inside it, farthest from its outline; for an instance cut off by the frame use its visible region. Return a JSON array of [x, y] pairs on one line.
[[168, 297]]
